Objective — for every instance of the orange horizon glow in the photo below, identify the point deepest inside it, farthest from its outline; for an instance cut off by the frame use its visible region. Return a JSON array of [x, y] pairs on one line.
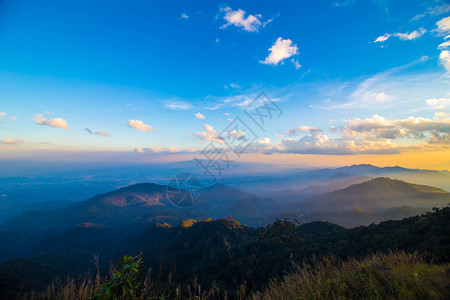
[[432, 160]]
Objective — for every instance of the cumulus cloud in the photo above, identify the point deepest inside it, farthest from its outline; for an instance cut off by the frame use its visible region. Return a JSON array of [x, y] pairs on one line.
[[98, 132], [12, 141], [264, 146], [175, 105], [439, 103], [139, 125], [378, 127], [332, 129], [184, 16], [443, 26], [56, 122], [294, 131], [280, 50], [210, 134], [210, 129], [444, 59], [440, 139], [402, 36], [441, 115], [237, 18], [199, 115], [373, 135], [320, 144]]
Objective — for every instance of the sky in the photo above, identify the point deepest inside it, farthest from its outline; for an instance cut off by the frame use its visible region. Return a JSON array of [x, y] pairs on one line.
[[338, 82]]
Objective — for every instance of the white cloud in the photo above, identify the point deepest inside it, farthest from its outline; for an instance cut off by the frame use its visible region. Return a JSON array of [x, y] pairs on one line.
[[209, 135], [175, 105], [12, 142], [441, 115], [443, 26], [439, 103], [280, 50], [382, 38], [320, 144], [369, 136], [139, 125], [57, 122], [378, 127], [444, 45], [444, 59], [309, 129], [332, 129], [237, 18], [210, 129], [411, 36], [199, 115], [184, 16], [402, 36]]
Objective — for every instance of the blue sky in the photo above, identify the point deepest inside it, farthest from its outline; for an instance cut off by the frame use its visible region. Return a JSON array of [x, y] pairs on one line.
[[351, 77]]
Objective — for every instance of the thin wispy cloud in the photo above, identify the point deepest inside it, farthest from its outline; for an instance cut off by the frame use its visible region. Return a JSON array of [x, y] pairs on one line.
[[389, 88], [12, 141], [232, 86], [160, 150], [178, 105], [433, 11], [4, 116], [98, 132]]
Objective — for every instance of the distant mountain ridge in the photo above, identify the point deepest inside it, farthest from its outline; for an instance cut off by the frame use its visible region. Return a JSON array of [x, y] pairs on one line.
[[146, 203], [135, 205], [376, 194]]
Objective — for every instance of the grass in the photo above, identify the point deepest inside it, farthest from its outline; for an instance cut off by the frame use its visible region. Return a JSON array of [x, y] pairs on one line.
[[380, 276]]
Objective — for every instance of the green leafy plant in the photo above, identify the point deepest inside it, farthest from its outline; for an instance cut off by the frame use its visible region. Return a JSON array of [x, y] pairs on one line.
[[124, 282]]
